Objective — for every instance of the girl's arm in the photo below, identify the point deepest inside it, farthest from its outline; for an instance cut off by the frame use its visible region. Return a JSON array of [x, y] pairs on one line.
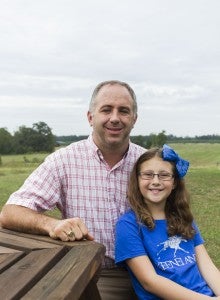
[[164, 288], [208, 270]]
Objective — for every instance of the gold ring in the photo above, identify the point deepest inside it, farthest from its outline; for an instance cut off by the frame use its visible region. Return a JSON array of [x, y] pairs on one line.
[[71, 234]]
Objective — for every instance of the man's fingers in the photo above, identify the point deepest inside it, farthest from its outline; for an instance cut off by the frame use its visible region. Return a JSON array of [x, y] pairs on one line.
[[89, 237], [80, 230], [71, 230]]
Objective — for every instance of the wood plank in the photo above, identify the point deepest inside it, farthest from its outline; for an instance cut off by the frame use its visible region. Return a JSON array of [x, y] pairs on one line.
[[8, 259], [44, 238], [7, 250], [22, 243], [19, 278], [70, 276]]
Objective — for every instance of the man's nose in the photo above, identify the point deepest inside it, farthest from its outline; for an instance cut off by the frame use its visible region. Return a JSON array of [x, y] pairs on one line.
[[114, 116]]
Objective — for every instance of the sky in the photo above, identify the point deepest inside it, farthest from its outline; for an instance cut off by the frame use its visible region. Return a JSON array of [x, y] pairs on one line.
[[54, 52]]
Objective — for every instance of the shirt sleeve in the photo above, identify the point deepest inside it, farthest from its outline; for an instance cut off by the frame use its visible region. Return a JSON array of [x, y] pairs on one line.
[[128, 242]]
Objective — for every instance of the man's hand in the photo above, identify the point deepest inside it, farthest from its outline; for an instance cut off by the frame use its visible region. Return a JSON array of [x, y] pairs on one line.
[[70, 230]]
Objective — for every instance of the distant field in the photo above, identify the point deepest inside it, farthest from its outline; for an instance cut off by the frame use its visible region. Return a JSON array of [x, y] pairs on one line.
[[203, 181]]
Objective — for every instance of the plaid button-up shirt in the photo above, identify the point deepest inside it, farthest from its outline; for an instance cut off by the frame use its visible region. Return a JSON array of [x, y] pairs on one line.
[[78, 181]]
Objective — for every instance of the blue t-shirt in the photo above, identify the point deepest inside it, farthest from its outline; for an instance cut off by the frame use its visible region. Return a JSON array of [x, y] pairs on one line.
[[172, 257]]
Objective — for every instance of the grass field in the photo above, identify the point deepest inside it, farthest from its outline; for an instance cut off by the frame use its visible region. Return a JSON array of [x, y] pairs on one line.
[[203, 180]]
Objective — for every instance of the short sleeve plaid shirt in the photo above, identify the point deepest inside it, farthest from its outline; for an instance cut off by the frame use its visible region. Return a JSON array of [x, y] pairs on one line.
[[78, 181]]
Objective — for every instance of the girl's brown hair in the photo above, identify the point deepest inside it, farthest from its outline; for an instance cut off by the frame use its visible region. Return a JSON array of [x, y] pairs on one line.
[[177, 209]]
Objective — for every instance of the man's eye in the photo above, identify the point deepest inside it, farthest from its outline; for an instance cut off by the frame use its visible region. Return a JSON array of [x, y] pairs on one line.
[[124, 112], [106, 110]]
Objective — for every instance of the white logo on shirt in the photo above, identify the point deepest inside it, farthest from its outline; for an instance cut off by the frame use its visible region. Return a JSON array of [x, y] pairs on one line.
[[173, 242]]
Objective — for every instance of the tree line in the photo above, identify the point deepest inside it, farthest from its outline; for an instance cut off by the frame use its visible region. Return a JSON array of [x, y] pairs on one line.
[[144, 141], [148, 141], [39, 138]]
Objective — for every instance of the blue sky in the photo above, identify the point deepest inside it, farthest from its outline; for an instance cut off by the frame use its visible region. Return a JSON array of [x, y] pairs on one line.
[[53, 53]]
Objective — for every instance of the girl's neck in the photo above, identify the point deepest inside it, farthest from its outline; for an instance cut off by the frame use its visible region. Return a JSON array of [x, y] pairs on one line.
[[158, 216], [157, 212]]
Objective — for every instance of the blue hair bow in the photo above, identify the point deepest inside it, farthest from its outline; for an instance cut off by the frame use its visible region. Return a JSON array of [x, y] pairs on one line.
[[182, 165]]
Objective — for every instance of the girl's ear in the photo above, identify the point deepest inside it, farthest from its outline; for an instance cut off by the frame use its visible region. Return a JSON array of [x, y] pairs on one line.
[[174, 185]]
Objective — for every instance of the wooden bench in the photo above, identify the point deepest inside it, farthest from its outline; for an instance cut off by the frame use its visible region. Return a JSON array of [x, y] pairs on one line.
[[37, 267]]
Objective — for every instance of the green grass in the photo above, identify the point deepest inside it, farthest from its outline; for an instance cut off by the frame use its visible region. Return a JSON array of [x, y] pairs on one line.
[[200, 155], [14, 170], [204, 187], [203, 181]]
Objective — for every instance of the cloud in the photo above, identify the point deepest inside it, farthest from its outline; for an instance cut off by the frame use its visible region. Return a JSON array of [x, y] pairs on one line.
[[53, 53]]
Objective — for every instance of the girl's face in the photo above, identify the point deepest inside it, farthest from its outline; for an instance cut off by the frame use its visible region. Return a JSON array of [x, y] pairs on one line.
[[155, 189]]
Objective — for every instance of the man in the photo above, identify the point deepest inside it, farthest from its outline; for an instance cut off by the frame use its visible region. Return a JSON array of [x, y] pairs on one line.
[[87, 181]]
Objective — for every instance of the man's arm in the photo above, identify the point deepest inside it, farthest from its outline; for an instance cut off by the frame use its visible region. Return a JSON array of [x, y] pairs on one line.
[[23, 219]]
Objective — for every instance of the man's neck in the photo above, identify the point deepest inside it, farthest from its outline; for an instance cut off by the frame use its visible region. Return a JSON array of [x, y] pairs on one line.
[[114, 153], [112, 158]]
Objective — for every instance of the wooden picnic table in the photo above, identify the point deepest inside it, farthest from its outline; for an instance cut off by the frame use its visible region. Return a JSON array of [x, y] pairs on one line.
[[38, 267]]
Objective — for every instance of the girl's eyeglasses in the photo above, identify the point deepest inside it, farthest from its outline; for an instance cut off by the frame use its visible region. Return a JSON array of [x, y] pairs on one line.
[[164, 176]]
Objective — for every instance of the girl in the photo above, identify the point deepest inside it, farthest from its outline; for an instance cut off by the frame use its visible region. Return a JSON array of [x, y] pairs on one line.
[[157, 239]]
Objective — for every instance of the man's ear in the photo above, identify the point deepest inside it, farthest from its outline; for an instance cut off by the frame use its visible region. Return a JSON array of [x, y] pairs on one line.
[[135, 119], [89, 117]]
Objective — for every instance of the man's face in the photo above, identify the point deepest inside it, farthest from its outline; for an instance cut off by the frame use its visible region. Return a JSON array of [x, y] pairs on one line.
[[113, 116]]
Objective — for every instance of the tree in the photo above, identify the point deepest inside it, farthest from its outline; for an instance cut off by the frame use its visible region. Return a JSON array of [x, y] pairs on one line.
[[6, 141], [155, 140], [139, 140], [44, 139], [23, 140], [39, 138], [161, 138]]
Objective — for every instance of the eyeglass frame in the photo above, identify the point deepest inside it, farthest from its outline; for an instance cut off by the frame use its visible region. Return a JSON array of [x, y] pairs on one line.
[[151, 176]]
